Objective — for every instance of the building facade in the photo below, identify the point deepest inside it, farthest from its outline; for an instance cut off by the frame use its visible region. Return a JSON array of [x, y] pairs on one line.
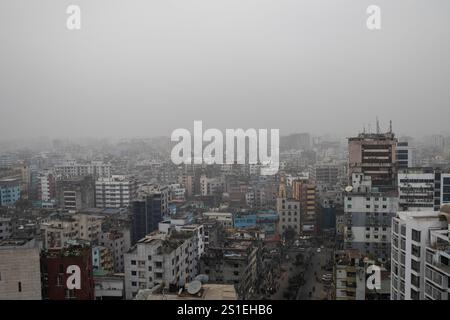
[[115, 192], [20, 277]]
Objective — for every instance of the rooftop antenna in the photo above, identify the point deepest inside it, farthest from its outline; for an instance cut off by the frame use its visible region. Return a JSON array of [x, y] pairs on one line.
[[378, 126], [390, 126], [364, 129]]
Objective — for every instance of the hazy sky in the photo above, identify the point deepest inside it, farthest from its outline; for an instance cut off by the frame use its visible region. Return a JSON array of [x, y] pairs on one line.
[[147, 67]]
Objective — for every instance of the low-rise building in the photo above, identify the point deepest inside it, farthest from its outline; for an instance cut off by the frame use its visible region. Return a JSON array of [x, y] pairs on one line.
[[234, 262]]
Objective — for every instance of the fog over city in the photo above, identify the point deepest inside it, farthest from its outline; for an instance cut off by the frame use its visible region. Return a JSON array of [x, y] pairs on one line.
[[144, 68]]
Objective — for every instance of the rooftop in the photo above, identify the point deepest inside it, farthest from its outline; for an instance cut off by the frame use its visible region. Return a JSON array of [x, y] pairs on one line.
[[207, 292]]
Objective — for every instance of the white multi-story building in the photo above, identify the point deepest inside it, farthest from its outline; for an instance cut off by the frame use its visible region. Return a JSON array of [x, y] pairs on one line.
[[71, 168], [423, 189], [46, 186], [410, 242], [20, 273], [289, 215], [115, 192], [368, 215], [437, 265], [404, 155], [161, 258]]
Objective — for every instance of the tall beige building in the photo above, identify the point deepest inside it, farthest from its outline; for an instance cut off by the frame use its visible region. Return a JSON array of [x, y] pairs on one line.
[[288, 211]]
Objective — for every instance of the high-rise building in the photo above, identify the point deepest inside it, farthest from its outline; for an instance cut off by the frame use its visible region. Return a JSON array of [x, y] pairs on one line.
[[305, 192], [368, 213], [46, 187], [76, 193], [114, 192], [437, 265], [416, 255], [404, 155], [288, 210], [147, 212], [374, 155], [20, 277], [423, 189]]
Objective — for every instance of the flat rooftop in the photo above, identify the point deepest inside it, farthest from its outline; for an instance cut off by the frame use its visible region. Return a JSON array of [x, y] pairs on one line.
[[208, 292]]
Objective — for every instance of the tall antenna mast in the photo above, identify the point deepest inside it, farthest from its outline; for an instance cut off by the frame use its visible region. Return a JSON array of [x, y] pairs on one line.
[[390, 126], [378, 126]]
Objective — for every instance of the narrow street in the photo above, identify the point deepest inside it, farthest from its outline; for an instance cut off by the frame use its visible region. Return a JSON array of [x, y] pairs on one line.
[[311, 284], [312, 272]]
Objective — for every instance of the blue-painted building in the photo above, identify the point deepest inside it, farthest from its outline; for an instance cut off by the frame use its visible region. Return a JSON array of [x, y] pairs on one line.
[[9, 191], [267, 220], [245, 221], [329, 218]]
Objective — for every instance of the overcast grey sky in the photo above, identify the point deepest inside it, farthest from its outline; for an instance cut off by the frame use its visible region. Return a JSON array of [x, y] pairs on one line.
[[147, 67]]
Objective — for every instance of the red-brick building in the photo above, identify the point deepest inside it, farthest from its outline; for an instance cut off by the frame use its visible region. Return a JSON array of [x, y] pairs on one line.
[[67, 273]]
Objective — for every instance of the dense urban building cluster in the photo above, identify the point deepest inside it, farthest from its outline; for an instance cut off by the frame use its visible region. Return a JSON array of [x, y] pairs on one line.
[[118, 220]]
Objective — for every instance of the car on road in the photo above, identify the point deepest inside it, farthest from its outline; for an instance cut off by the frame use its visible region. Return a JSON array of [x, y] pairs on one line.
[[318, 250]]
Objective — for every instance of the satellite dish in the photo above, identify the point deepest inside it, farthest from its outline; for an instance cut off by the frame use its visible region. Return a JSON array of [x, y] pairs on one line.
[[348, 189], [203, 278], [194, 287]]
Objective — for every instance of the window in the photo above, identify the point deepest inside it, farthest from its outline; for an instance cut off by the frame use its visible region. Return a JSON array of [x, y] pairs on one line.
[[133, 262], [59, 280], [133, 273], [415, 265], [416, 235], [20, 286], [415, 250], [437, 278], [415, 280], [133, 283], [414, 294]]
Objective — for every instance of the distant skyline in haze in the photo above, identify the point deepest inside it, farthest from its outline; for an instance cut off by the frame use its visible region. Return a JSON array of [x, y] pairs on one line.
[[143, 68]]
